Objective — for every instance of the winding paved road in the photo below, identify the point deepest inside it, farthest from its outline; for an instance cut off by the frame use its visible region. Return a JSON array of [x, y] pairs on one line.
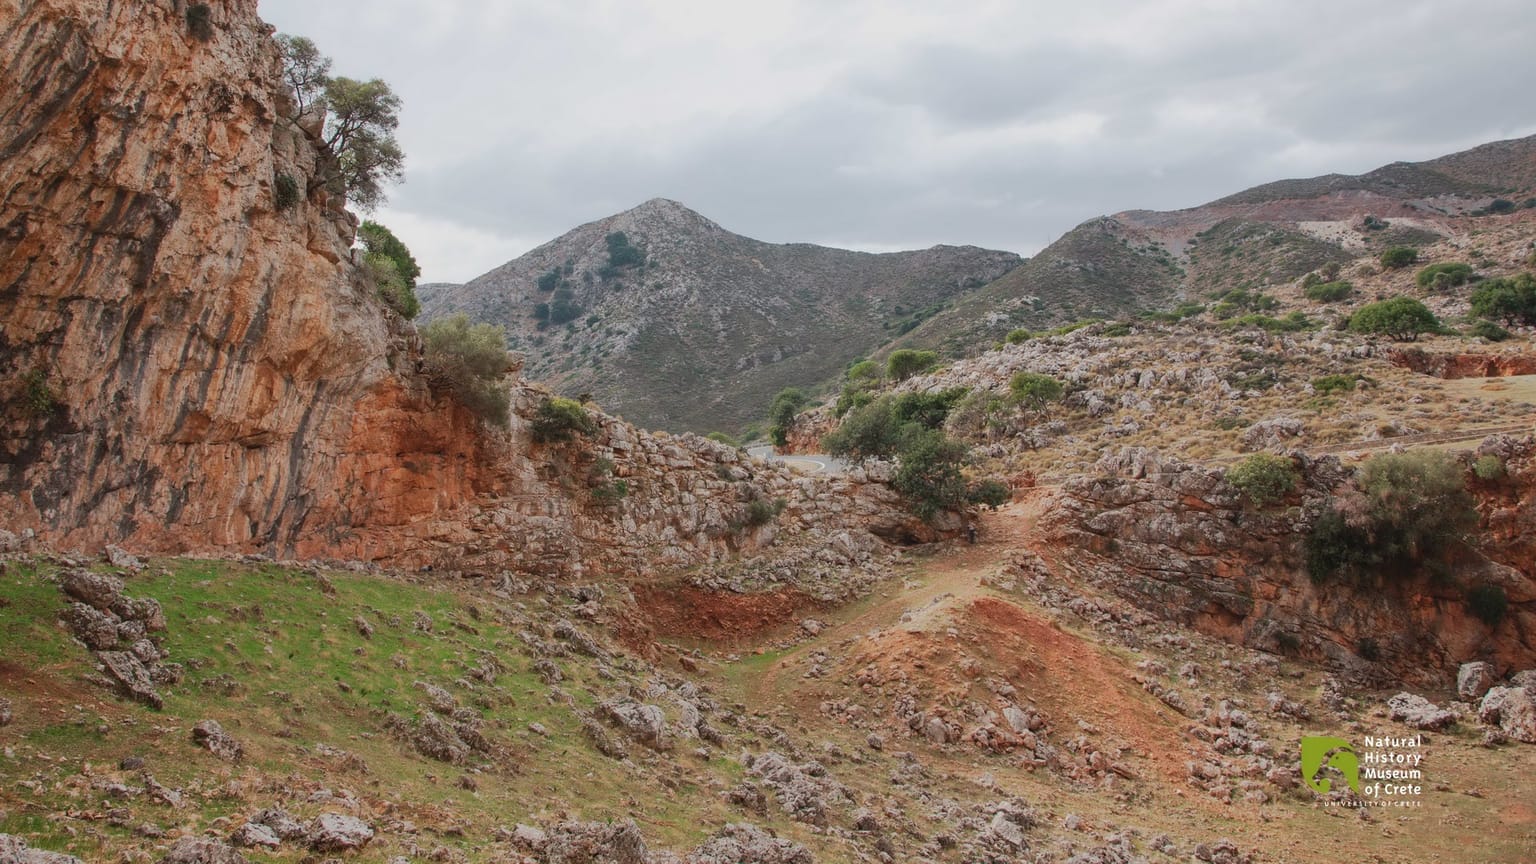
[[805, 463]]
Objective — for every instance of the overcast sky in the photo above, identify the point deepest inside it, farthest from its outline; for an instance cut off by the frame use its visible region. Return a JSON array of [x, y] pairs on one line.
[[889, 124]]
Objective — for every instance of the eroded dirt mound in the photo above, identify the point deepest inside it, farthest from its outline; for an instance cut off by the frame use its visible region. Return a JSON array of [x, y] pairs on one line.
[[693, 613]]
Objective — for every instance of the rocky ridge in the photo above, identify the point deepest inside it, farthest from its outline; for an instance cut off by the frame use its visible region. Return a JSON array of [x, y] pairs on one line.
[[706, 326]]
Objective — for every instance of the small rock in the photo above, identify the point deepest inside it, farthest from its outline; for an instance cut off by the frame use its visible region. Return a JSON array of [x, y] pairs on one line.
[[201, 850], [283, 825], [255, 834], [336, 832], [6, 716], [118, 557], [209, 735]]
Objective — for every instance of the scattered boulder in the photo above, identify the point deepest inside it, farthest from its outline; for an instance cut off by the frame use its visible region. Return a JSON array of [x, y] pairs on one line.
[[209, 735], [97, 590], [283, 825], [201, 850], [131, 677], [1474, 679], [594, 843], [1413, 710], [435, 739], [798, 791], [118, 557], [337, 832], [1512, 710], [744, 843], [644, 723], [253, 834]]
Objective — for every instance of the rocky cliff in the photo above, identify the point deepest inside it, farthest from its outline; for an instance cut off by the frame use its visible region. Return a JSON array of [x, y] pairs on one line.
[[187, 365]]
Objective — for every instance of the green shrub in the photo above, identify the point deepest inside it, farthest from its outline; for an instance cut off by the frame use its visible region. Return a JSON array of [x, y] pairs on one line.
[[621, 253], [928, 410], [1334, 549], [559, 420], [610, 493], [200, 21], [1034, 390], [1446, 274], [1264, 479], [1488, 467], [1329, 292], [1511, 299], [865, 372], [1400, 318], [724, 438], [1018, 336], [1373, 223], [1333, 384], [285, 192], [1116, 330], [471, 361], [1399, 256], [37, 397], [1485, 329], [1418, 504], [990, 492], [905, 363], [929, 472], [868, 432], [1293, 322], [393, 269], [1489, 603], [549, 281], [761, 511], [781, 413]]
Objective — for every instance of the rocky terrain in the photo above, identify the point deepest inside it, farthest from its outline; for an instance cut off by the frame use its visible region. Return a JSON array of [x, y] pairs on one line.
[[269, 592], [1143, 259], [698, 328]]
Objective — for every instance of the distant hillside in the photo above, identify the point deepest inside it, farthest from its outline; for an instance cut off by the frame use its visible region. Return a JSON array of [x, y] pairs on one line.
[[676, 323], [1270, 234]]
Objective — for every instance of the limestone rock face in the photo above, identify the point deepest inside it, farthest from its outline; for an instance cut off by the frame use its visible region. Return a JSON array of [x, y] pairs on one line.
[[220, 377]]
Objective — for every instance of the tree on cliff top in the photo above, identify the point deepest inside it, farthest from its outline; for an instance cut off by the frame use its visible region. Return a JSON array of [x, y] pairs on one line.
[[360, 122]]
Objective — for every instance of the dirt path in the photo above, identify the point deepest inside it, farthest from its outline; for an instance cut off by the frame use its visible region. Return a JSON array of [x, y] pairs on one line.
[[945, 580]]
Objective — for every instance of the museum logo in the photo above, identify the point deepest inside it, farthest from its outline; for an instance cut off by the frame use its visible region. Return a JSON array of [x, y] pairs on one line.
[[1383, 772]]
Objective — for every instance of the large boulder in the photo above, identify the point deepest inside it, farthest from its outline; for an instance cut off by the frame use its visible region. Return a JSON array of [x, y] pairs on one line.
[[94, 589], [1513, 710], [1474, 679], [645, 723], [1420, 713], [744, 843], [594, 843]]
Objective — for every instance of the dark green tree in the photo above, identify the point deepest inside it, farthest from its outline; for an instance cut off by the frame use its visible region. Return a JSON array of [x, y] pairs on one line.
[[1400, 318]]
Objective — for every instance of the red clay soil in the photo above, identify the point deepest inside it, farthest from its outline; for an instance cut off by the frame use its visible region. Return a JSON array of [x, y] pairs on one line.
[[693, 613], [1451, 366]]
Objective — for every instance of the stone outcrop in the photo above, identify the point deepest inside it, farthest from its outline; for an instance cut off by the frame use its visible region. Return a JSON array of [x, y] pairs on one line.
[[1178, 541], [1443, 364]]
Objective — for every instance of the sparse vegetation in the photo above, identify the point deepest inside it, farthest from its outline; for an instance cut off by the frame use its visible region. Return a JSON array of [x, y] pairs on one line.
[[391, 267], [200, 21], [1264, 479], [1446, 274], [1509, 299], [760, 511], [1328, 292], [471, 361], [559, 420], [906, 362], [1400, 318], [1329, 384], [37, 396], [1489, 603], [1033, 390], [1407, 514], [1488, 467], [781, 413], [1399, 256], [1018, 336], [1485, 329], [285, 192]]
